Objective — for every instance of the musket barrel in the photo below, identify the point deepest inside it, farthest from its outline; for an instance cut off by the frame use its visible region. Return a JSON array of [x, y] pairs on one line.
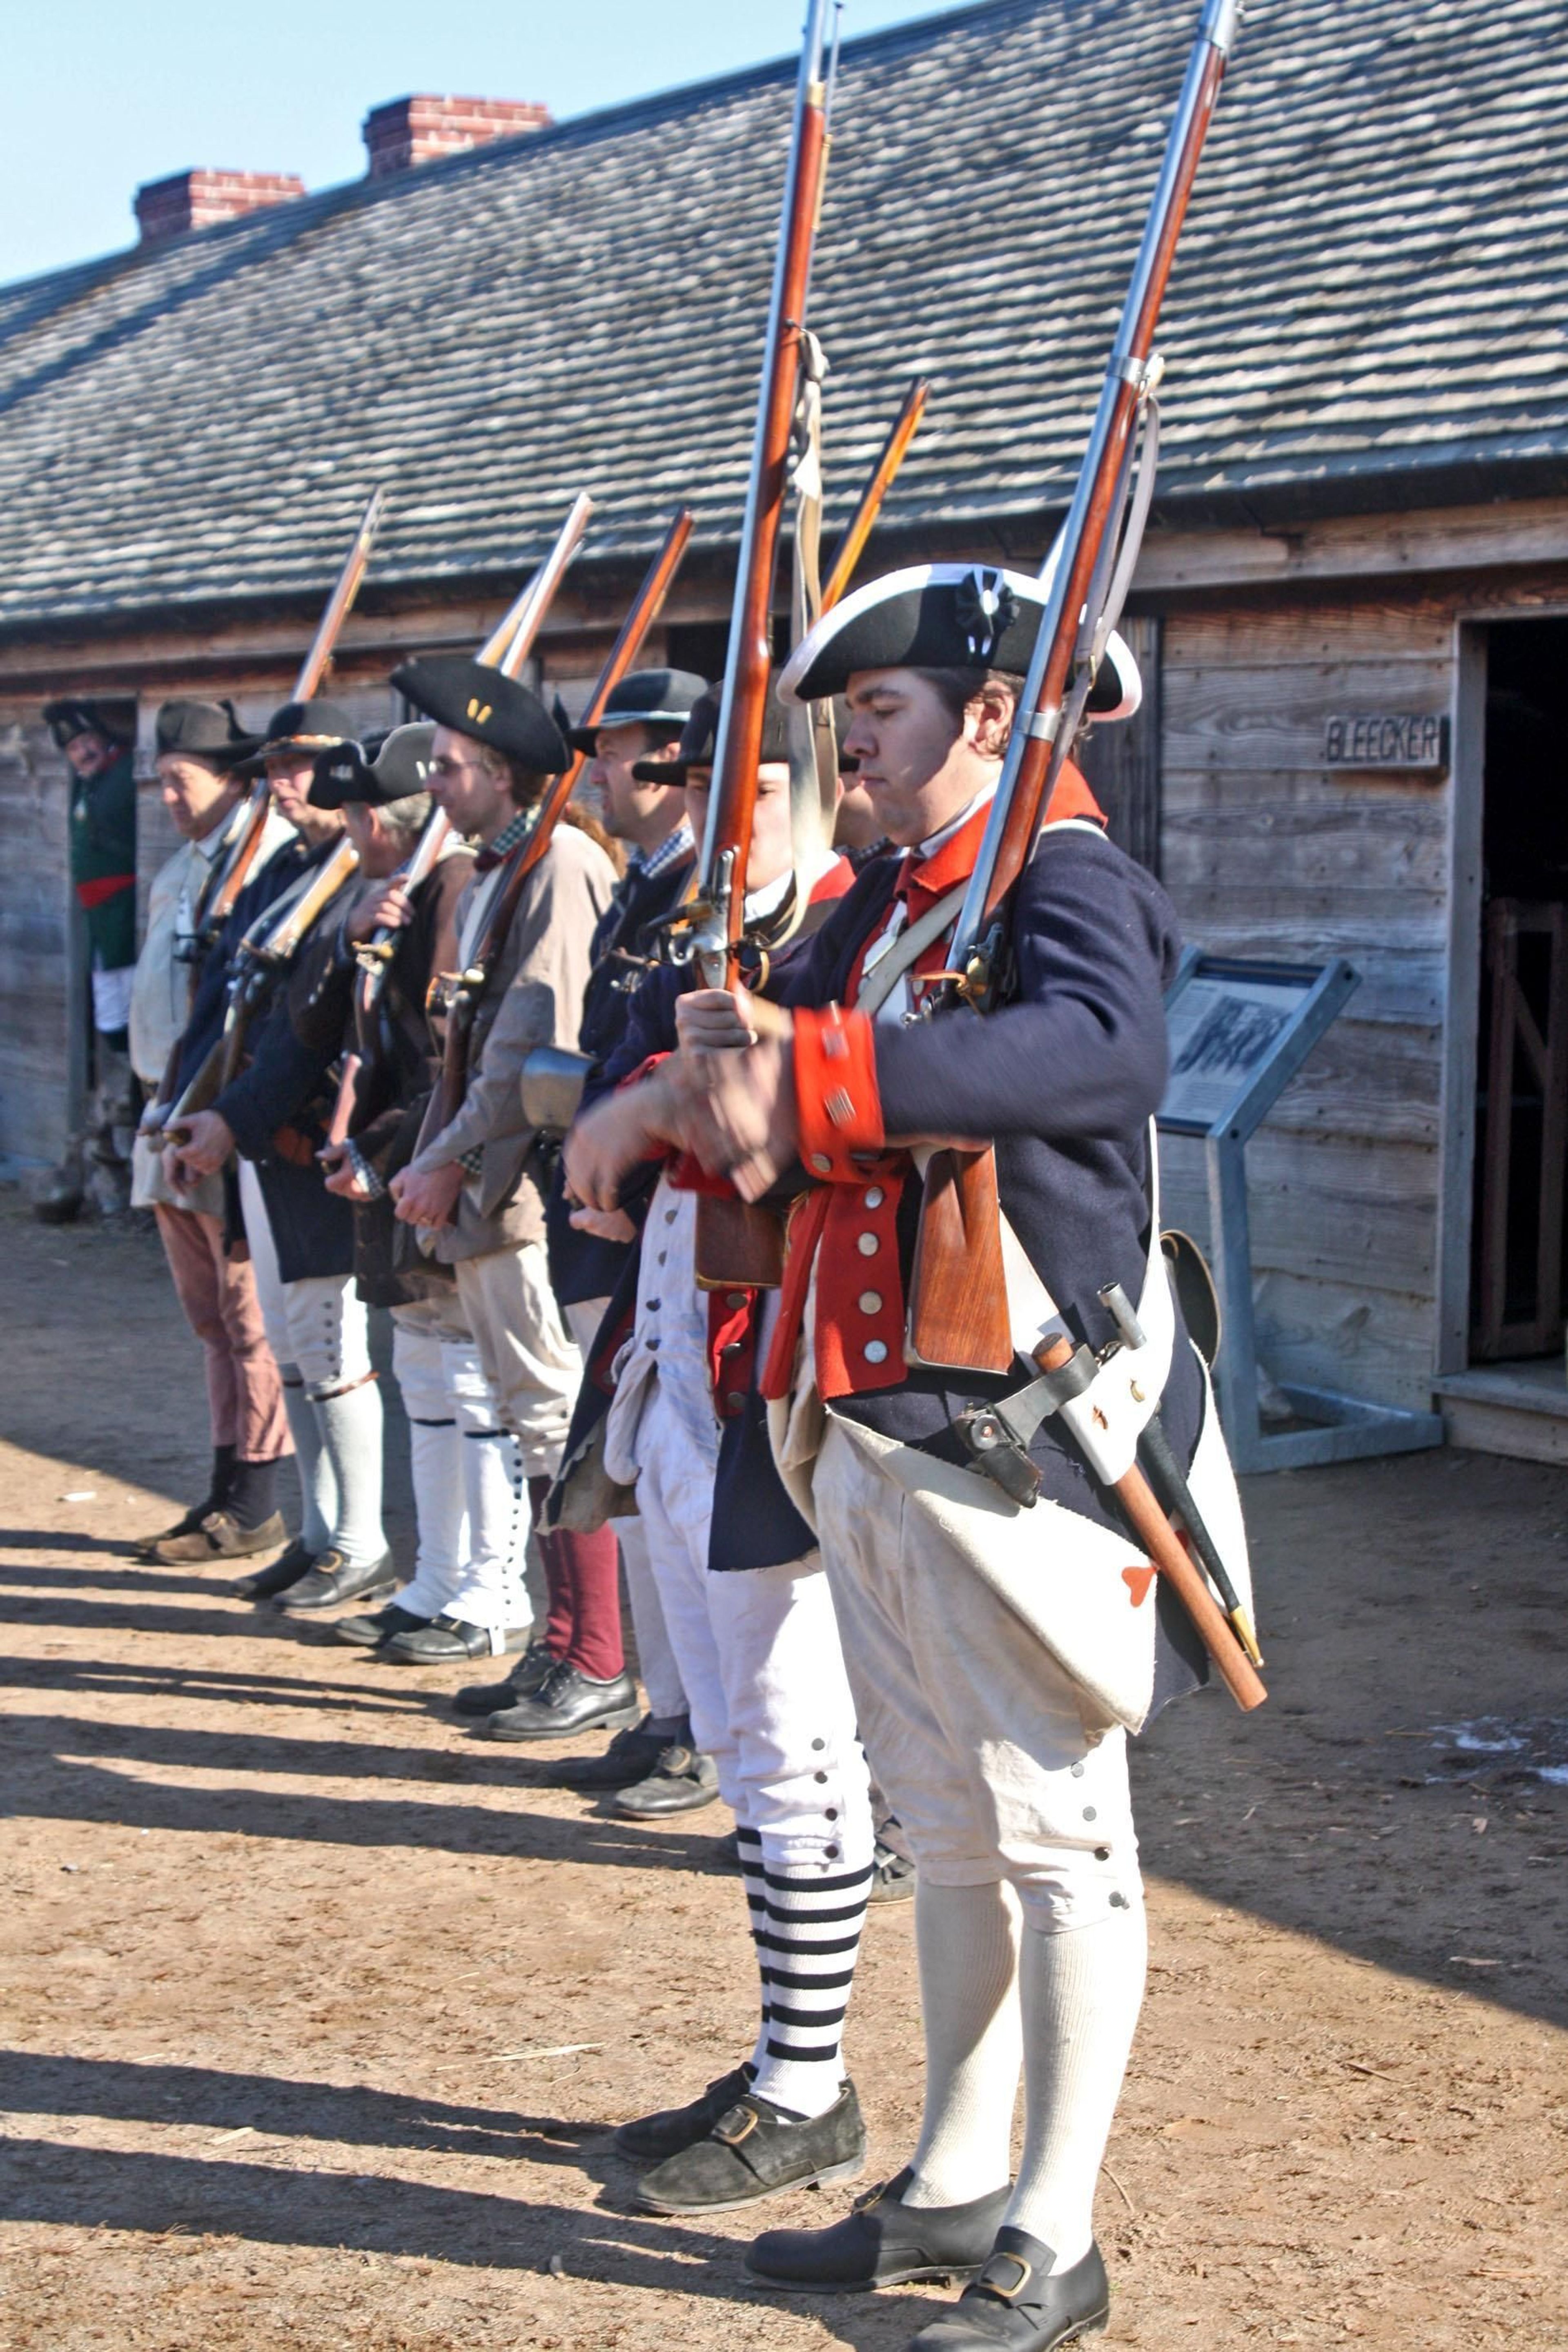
[[313, 668]]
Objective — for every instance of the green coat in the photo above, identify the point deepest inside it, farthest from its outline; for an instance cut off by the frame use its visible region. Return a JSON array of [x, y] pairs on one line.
[[103, 860]]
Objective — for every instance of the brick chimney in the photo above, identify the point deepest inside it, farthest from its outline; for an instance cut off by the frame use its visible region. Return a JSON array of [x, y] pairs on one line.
[[409, 130], [187, 200]]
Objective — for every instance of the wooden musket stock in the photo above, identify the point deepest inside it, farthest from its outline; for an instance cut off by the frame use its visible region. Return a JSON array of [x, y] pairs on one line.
[[957, 1311], [374, 961]]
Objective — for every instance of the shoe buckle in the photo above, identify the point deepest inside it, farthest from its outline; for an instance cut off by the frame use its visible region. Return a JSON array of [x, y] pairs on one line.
[[738, 2124], [998, 2276]]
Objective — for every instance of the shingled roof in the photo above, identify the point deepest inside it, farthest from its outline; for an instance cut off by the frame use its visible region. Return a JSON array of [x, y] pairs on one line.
[[1372, 287]]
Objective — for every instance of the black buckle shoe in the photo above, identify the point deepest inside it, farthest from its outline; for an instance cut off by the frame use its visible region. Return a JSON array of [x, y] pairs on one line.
[[448, 1641], [630, 1757], [653, 2138], [893, 1875], [883, 2242], [288, 1567], [370, 1633], [532, 1671], [566, 1702], [756, 2150], [332, 1581], [682, 1781], [1016, 2305]]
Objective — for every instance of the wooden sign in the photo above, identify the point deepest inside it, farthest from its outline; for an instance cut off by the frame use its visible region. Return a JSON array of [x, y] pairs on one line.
[[1388, 739]]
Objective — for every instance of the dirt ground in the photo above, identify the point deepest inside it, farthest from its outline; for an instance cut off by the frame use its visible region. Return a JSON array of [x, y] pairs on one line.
[[316, 2009]]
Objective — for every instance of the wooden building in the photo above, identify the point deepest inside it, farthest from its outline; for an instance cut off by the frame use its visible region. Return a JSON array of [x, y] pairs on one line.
[[1353, 608]]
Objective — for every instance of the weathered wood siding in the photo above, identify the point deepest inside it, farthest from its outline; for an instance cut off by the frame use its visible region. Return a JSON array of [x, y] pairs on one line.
[[35, 934]]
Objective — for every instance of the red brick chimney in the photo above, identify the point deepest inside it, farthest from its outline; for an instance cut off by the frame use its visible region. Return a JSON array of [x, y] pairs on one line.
[[189, 200], [409, 130]]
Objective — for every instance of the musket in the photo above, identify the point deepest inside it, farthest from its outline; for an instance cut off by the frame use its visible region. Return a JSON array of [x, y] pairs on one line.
[[373, 957], [225, 884], [858, 528], [958, 1312], [461, 997], [736, 1243], [269, 946]]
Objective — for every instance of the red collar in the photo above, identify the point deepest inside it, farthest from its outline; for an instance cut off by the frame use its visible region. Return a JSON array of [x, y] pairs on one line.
[[921, 882]]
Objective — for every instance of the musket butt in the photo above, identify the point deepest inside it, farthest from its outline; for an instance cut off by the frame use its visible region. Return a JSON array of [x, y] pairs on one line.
[[1241, 1626]]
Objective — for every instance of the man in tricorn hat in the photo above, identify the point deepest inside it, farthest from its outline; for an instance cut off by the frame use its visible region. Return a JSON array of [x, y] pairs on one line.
[[462, 1492], [998, 1654], [475, 1187], [637, 792], [103, 876], [198, 746], [272, 1115]]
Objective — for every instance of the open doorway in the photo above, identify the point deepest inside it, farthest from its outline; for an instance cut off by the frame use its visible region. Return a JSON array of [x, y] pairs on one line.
[[1518, 1257]]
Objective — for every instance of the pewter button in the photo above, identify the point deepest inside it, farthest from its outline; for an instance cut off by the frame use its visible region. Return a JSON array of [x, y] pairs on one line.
[[874, 1197], [876, 1351], [821, 1164], [870, 1302], [1089, 1814], [734, 1298], [734, 1400], [867, 1244]]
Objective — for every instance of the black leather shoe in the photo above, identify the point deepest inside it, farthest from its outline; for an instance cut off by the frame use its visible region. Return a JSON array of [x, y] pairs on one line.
[[682, 1781], [448, 1641], [219, 1536], [883, 2242], [566, 1702], [288, 1568], [1014, 2305], [630, 1757], [754, 2151], [525, 1678], [370, 1633], [653, 2138], [333, 1581]]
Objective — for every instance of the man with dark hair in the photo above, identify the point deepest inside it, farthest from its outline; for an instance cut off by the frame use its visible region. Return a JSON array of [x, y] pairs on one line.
[[461, 1489], [198, 746], [272, 1114], [476, 1186], [102, 844], [634, 775], [998, 1656]]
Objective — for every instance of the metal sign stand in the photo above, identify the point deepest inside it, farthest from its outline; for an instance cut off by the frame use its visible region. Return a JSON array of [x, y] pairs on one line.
[[1239, 1032]]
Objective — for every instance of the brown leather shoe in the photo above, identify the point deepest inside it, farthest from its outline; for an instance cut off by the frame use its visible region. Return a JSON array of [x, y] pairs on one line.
[[221, 1536]]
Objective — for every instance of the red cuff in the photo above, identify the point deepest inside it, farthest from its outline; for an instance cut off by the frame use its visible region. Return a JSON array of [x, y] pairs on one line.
[[644, 1069], [837, 1106]]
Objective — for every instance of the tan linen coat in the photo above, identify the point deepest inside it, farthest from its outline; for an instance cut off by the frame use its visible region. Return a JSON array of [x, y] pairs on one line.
[[535, 998]]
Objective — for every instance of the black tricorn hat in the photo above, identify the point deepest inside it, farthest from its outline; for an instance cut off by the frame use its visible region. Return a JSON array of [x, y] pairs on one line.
[[700, 739], [945, 616], [644, 698], [313, 726], [399, 767], [71, 715], [203, 730], [475, 700]]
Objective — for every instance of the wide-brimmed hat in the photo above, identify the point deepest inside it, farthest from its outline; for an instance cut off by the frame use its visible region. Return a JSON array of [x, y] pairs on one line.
[[475, 700], [313, 726], [209, 731], [398, 768], [700, 739], [644, 698], [945, 616], [71, 715]]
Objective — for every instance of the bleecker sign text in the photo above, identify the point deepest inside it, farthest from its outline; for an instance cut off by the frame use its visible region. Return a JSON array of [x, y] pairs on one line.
[[1386, 738]]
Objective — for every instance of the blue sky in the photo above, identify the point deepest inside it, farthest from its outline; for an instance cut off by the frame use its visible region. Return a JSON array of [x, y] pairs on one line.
[[103, 95]]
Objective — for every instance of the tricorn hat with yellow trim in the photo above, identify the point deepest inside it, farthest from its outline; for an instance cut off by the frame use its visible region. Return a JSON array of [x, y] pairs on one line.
[[474, 700]]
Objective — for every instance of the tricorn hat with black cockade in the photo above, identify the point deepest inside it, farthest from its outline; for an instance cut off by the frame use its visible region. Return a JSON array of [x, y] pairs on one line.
[[700, 739], [945, 616], [475, 700], [71, 715], [399, 767], [644, 698], [209, 731], [299, 727]]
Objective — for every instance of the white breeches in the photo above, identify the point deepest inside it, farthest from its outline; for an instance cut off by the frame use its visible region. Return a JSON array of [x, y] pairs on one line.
[[529, 1360], [974, 1730], [317, 1324]]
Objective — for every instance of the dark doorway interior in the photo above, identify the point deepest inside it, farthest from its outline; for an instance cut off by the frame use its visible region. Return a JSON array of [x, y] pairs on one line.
[[1518, 1280]]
